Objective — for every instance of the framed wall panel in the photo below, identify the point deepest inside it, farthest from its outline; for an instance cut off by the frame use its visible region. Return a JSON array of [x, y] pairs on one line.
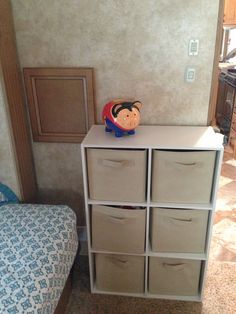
[[61, 103]]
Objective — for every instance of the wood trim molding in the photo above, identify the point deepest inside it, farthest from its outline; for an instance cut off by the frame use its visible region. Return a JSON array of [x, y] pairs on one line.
[[15, 101], [215, 72], [61, 103]]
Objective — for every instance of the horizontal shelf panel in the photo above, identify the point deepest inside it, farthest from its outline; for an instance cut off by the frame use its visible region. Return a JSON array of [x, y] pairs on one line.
[[184, 206], [196, 298], [117, 253], [95, 202], [152, 204], [194, 256], [149, 295], [139, 295]]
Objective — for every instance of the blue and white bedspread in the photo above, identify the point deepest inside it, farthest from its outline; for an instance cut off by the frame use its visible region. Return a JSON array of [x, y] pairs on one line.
[[38, 244]]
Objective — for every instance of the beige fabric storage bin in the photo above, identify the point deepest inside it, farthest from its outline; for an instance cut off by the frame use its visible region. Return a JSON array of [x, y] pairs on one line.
[[120, 273], [178, 230], [117, 175], [171, 276], [182, 177], [117, 229]]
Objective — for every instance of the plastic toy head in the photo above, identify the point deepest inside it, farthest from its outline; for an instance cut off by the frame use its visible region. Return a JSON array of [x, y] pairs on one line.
[[121, 116]]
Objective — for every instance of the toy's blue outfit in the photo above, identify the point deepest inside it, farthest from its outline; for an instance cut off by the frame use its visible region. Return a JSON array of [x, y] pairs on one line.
[[110, 126]]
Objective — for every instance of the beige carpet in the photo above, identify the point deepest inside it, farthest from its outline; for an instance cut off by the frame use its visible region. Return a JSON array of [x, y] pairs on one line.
[[219, 296]]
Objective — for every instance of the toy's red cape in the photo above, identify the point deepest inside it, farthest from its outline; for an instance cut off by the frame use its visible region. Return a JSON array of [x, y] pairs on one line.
[[107, 113]]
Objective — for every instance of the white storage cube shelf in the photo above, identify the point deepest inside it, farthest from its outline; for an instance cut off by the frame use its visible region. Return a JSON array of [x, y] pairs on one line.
[[150, 201]]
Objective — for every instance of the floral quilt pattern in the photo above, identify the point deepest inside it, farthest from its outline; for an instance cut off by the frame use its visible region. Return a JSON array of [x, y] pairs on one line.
[[38, 244]]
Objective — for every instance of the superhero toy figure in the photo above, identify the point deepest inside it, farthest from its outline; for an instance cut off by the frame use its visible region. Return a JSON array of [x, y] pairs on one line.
[[121, 116]]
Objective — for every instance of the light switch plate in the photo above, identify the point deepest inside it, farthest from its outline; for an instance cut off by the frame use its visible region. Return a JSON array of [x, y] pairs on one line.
[[193, 47]]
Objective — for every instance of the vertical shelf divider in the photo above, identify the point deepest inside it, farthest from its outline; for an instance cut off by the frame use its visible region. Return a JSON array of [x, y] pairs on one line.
[[216, 179], [149, 178], [88, 229]]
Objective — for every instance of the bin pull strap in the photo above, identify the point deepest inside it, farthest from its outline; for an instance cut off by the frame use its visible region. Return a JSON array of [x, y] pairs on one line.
[[116, 163], [119, 220], [179, 266], [119, 262], [185, 164], [122, 261], [182, 220]]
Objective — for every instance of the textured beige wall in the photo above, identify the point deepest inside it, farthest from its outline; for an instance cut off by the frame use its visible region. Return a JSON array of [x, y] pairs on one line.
[[59, 175], [138, 50], [8, 170]]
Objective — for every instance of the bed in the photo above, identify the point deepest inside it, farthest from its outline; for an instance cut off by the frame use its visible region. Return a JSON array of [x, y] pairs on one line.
[[38, 245]]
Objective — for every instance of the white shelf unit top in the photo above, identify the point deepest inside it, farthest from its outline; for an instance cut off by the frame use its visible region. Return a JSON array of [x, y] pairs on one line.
[[161, 137]]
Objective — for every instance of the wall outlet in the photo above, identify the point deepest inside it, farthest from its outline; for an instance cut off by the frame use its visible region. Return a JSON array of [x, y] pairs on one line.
[[190, 74]]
